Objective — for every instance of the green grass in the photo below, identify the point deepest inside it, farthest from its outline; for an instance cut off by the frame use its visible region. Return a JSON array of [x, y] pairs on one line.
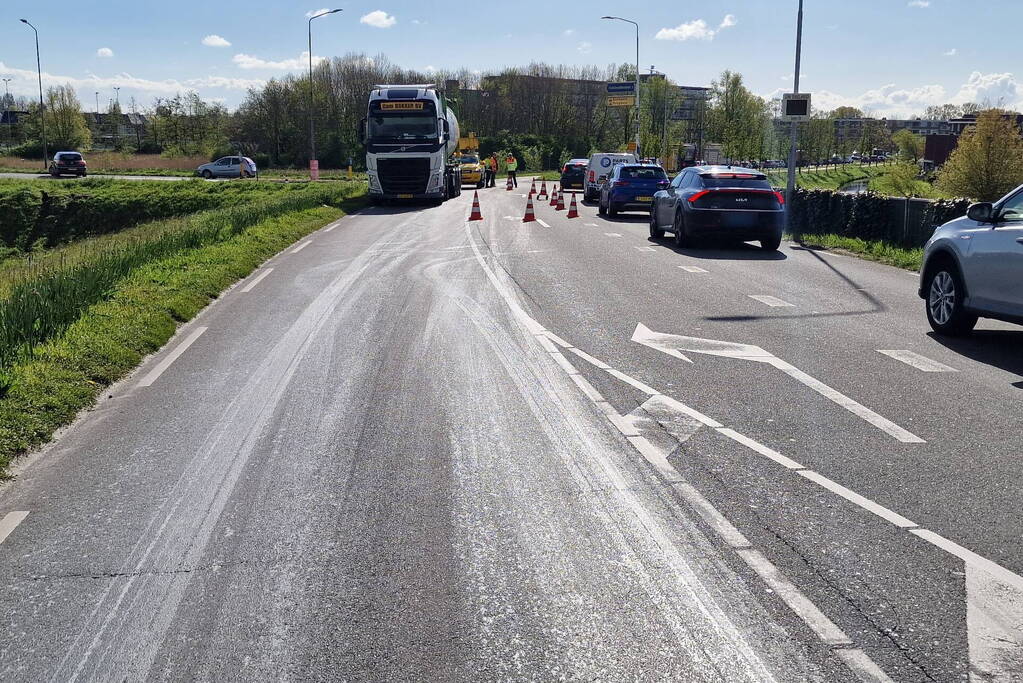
[[139, 313], [873, 250], [829, 178]]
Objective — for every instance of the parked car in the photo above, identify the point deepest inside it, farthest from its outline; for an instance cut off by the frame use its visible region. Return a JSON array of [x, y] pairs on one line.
[[473, 170], [68, 163], [573, 174], [228, 167], [597, 169], [721, 201], [630, 187], [973, 267]]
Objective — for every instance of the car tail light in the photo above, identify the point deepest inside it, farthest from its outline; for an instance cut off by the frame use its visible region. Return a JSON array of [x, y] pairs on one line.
[[695, 197], [781, 198], [621, 183], [593, 177]]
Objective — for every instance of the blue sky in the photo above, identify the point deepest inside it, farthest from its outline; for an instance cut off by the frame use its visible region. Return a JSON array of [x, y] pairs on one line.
[[891, 57]]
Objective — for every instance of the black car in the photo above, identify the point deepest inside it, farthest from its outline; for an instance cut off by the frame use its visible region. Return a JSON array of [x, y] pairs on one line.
[[719, 201], [573, 173], [68, 163]]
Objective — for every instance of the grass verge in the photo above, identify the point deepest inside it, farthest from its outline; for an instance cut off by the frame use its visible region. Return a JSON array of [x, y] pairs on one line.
[[873, 250], [65, 374]]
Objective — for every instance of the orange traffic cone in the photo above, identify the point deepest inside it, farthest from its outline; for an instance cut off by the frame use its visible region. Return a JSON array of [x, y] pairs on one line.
[[509, 188], [530, 216], [475, 215], [543, 190], [554, 196], [561, 202], [573, 210]]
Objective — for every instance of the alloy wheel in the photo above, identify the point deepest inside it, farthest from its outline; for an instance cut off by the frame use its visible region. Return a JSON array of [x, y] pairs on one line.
[[942, 297]]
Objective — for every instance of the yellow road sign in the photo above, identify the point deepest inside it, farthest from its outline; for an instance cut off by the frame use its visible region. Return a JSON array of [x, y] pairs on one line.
[[621, 101]]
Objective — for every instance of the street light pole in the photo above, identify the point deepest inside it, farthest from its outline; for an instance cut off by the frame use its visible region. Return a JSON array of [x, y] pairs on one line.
[[314, 165], [790, 186], [117, 95], [42, 107], [639, 121], [7, 111]]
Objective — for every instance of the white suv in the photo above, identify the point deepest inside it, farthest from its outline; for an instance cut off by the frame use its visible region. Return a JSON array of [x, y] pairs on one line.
[[599, 168], [973, 267]]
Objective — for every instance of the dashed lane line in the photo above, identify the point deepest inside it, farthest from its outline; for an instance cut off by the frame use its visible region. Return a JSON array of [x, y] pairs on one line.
[[613, 234], [301, 247], [692, 269], [541, 222], [644, 248], [10, 522], [162, 366], [912, 359], [772, 301], [249, 287]]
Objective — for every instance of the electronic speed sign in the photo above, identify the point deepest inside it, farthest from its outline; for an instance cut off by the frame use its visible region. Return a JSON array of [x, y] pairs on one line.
[[795, 106]]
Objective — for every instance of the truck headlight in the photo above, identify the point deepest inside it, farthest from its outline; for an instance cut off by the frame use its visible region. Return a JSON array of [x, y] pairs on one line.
[[374, 181]]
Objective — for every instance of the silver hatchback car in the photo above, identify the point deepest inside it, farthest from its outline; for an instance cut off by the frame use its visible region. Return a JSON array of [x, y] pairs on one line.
[[228, 167], [973, 267]]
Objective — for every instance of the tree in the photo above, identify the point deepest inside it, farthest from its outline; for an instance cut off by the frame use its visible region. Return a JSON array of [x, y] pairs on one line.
[[65, 125], [988, 162], [845, 113], [910, 146], [736, 118], [902, 178]]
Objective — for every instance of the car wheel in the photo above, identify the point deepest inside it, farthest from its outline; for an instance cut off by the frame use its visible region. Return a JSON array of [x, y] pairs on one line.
[[945, 292], [771, 243], [655, 231], [611, 210], [600, 205], [678, 226], [207, 174]]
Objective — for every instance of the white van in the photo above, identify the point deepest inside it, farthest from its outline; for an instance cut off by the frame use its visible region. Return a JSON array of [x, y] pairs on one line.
[[599, 167]]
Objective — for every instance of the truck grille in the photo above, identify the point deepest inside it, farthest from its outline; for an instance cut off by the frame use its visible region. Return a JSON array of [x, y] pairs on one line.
[[403, 176]]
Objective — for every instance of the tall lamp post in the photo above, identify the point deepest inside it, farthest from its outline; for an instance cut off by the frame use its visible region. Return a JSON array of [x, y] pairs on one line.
[[117, 95], [7, 111], [639, 122], [314, 165], [42, 107], [790, 185]]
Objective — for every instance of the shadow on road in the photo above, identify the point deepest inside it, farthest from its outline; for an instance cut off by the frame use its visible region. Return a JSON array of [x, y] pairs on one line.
[[1002, 349], [722, 250]]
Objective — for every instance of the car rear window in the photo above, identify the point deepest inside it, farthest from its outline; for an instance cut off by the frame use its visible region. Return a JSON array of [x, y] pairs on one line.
[[69, 157], [735, 180], [642, 173]]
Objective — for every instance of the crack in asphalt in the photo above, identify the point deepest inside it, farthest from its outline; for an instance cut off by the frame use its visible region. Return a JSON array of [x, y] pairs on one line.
[[212, 567]]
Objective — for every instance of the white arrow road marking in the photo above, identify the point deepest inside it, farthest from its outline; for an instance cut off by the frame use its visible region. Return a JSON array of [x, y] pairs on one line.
[[994, 626], [772, 301], [10, 522], [674, 345], [917, 361], [693, 269]]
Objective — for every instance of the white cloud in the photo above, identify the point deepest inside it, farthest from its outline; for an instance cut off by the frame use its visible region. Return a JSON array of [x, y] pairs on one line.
[[996, 90], [213, 40], [378, 19], [317, 12], [430, 68], [568, 32], [244, 61], [950, 53], [697, 29], [105, 52], [920, 3], [585, 47]]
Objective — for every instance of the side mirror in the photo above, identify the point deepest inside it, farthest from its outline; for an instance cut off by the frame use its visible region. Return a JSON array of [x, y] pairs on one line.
[[663, 185], [982, 212]]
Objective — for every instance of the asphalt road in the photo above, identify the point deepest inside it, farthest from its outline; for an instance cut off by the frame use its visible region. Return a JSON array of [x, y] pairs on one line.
[[416, 448]]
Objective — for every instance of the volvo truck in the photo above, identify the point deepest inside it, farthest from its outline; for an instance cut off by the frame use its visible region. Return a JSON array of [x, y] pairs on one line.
[[410, 134]]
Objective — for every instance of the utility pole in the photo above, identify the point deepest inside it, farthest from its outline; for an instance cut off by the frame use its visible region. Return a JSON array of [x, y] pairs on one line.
[[639, 120], [42, 106], [790, 186], [117, 95], [7, 111], [314, 164]]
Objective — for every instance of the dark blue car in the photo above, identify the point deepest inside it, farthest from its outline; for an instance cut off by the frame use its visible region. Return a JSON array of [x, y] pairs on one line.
[[631, 187]]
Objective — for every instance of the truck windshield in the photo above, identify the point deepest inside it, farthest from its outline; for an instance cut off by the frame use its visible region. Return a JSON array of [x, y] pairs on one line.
[[403, 127]]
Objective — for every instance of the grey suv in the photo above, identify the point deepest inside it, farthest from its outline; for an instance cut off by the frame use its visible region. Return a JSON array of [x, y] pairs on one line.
[[973, 267]]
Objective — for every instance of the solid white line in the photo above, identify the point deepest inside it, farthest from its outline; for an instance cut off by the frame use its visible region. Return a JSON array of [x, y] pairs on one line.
[[693, 269], [645, 388], [251, 285], [301, 247], [588, 358], [557, 340], [797, 602], [587, 388], [997, 571], [656, 458], [563, 362], [760, 448], [917, 361], [10, 522], [613, 234], [155, 373], [714, 519], [546, 343], [853, 497], [679, 407], [542, 223], [772, 301]]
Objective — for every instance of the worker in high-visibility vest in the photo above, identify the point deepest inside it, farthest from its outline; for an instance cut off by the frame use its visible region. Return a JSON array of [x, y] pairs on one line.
[[492, 166], [512, 166]]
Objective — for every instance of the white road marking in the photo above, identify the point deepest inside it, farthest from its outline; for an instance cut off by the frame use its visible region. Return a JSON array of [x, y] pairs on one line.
[[994, 613], [853, 497], [862, 665], [590, 225], [674, 345], [301, 247], [541, 222], [249, 287], [763, 450], [693, 269], [971, 558], [772, 301], [917, 361], [331, 226], [613, 234], [155, 373], [10, 522], [643, 248]]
